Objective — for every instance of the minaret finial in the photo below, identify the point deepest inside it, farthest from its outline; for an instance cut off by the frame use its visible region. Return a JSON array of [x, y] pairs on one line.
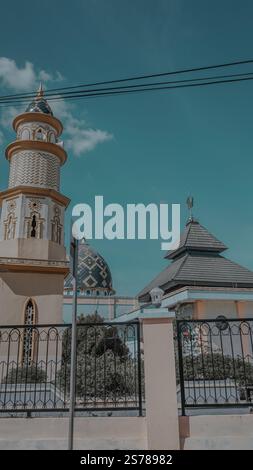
[[189, 203], [40, 91]]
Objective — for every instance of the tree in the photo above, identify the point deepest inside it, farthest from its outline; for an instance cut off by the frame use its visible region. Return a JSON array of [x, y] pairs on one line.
[[105, 368]]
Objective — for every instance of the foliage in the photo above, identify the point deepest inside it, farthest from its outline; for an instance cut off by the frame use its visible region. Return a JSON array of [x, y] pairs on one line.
[[105, 367], [25, 374], [218, 367]]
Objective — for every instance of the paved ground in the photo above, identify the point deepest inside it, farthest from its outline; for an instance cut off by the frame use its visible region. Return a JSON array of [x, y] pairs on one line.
[[217, 411]]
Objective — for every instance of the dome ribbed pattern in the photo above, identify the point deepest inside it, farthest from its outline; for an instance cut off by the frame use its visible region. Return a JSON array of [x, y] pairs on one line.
[[39, 106], [93, 272]]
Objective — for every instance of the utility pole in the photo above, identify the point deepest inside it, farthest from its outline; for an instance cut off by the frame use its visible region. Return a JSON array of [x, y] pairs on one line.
[[74, 262]]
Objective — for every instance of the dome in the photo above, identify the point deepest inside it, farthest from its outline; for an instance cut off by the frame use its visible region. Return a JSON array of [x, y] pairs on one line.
[[93, 273], [39, 104]]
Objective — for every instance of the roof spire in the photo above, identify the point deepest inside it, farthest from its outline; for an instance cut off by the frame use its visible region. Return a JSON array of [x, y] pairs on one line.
[[40, 92], [190, 202], [39, 104]]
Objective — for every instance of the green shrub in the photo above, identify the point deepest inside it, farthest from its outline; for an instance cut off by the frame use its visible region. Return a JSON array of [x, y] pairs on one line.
[[25, 374], [218, 367]]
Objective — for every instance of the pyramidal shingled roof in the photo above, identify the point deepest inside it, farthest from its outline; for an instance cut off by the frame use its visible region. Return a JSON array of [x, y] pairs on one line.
[[197, 237], [198, 262]]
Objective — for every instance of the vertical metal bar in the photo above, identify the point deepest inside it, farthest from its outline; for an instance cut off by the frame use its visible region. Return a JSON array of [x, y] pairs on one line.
[[114, 395], [27, 334], [211, 349], [233, 363], [243, 359], [192, 361], [46, 371], [85, 366], [133, 366], [16, 375], [95, 367], [36, 355], [202, 361], [224, 369], [64, 362], [180, 367], [7, 367], [139, 368], [73, 350], [105, 375], [125, 336], [56, 366], [72, 369]]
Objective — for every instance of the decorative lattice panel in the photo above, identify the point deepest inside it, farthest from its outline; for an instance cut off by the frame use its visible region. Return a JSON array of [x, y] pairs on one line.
[[30, 168]]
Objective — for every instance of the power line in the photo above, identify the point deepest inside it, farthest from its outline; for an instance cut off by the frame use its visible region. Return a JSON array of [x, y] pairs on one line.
[[139, 77], [123, 91], [73, 93], [162, 74]]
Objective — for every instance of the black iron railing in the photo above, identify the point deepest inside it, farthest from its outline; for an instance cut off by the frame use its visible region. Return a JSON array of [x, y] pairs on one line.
[[35, 367], [215, 362]]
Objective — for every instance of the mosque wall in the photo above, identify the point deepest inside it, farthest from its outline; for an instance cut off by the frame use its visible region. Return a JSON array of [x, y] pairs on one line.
[[45, 290], [211, 309]]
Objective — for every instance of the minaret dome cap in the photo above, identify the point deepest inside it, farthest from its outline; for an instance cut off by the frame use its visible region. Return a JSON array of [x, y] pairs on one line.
[[39, 104]]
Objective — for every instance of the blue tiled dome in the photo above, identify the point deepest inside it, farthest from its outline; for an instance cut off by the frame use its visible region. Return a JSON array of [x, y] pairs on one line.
[[93, 273], [39, 106]]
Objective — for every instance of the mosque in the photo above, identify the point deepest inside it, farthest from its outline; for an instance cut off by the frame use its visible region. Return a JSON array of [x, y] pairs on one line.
[[35, 283]]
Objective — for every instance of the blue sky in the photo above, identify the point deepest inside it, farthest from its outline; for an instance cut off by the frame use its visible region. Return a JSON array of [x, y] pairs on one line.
[[148, 147]]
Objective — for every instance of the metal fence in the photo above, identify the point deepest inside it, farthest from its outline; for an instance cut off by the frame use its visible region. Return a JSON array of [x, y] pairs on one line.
[[215, 362], [35, 367]]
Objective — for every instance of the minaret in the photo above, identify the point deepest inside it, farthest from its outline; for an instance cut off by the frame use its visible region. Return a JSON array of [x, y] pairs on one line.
[[32, 253]]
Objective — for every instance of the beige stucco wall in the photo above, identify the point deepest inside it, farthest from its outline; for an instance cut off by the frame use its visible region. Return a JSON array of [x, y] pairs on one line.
[[90, 433], [160, 384], [244, 309], [216, 432], [45, 289], [32, 248], [210, 309]]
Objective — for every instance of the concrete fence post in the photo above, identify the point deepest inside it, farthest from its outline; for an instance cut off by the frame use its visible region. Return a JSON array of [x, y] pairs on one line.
[[160, 383]]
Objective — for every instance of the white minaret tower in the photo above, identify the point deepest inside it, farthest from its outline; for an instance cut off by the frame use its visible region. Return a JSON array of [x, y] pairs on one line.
[[32, 253]]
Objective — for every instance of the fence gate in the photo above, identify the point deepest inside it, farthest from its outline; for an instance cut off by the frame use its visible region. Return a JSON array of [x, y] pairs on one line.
[[35, 367], [215, 362]]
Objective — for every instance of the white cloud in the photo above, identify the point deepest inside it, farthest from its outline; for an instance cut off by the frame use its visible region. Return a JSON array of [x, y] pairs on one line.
[[79, 137], [84, 140], [44, 76], [7, 115], [47, 77], [23, 78], [14, 77]]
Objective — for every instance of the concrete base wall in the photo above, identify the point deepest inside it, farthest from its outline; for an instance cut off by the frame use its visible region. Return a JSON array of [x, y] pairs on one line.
[[90, 433], [216, 432], [205, 432], [32, 248]]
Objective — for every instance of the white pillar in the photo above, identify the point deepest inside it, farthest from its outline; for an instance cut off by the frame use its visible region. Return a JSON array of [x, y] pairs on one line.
[[160, 383]]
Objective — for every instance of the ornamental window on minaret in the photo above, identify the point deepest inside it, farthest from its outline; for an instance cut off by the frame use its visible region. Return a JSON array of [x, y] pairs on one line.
[[32, 208]]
